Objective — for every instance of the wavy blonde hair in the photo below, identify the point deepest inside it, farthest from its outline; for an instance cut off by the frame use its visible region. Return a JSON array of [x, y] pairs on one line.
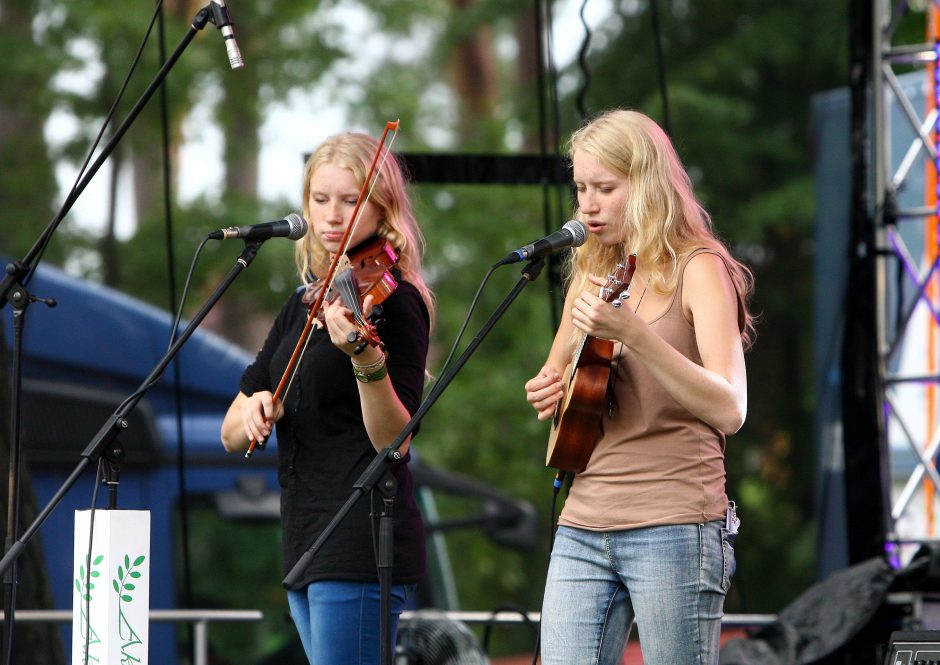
[[663, 222], [397, 223]]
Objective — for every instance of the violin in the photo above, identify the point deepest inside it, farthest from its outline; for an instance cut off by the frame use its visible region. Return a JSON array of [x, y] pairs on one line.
[[344, 281], [369, 271]]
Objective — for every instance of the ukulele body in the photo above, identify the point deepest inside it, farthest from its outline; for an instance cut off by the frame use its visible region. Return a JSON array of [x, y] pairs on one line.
[[576, 423]]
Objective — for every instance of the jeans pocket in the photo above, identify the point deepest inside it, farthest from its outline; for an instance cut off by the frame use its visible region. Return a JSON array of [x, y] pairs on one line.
[[728, 561]]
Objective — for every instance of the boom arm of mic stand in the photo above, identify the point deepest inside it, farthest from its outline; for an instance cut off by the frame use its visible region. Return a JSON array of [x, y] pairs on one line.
[[15, 272], [117, 422], [377, 468]]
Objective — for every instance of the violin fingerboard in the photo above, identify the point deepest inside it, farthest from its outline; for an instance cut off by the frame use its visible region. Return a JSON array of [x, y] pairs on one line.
[[345, 284]]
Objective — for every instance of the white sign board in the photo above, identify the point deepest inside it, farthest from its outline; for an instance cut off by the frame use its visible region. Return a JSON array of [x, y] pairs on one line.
[[111, 588]]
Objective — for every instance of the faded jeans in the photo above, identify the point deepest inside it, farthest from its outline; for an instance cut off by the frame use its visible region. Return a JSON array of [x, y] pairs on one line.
[[339, 622], [671, 580]]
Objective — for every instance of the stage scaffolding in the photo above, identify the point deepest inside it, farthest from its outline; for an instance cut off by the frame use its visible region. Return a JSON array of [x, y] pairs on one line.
[[902, 250]]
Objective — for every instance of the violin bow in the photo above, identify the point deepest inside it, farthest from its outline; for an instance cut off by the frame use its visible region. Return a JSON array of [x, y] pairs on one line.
[[365, 193]]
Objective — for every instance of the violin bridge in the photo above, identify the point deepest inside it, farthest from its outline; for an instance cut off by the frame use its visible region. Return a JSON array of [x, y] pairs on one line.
[[343, 264]]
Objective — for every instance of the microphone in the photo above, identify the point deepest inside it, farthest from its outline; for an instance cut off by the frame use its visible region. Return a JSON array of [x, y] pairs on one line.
[[293, 226], [572, 234], [219, 15]]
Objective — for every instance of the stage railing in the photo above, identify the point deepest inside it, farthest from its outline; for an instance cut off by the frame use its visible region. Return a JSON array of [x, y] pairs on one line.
[[199, 618], [475, 617]]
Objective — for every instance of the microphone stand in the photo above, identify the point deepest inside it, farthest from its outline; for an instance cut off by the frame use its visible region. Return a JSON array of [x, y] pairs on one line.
[[379, 474], [21, 300], [116, 423], [18, 270], [13, 288]]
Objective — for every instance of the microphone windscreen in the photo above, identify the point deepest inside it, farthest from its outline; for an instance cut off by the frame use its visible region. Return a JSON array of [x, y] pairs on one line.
[[298, 226]]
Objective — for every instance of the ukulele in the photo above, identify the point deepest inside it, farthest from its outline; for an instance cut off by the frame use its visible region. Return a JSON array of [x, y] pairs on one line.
[[576, 424]]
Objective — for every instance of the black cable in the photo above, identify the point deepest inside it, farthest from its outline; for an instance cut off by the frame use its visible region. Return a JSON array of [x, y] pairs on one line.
[[144, 388], [505, 607], [543, 51], [540, 82], [91, 535], [661, 65], [582, 63], [463, 327], [547, 70], [177, 372], [186, 285], [561, 477], [562, 204], [44, 240], [552, 76]]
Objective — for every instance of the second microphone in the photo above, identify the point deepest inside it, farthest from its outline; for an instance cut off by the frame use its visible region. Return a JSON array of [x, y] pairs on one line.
[[293, 227], [572, 234]]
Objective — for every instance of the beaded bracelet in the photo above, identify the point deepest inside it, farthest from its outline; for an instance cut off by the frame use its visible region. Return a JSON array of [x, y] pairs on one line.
[[372, 372]]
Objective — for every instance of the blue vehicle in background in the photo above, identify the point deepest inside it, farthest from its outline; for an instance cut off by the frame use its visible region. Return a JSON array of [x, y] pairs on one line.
[[80, 360]]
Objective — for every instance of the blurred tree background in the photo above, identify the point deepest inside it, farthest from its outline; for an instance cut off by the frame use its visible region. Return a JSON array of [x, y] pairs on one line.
[[463, 76]]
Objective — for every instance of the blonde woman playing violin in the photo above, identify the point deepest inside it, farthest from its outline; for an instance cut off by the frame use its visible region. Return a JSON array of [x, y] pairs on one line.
[[346, 401]]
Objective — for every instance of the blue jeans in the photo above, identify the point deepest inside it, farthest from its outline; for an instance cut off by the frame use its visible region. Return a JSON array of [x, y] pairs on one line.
[[339, 622], [671, 580]]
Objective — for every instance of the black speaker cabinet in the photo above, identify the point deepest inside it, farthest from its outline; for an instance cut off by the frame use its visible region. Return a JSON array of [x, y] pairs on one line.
[[914, 647]]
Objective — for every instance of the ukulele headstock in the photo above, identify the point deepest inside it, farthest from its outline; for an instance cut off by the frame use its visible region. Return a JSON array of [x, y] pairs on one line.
[[617, 288]]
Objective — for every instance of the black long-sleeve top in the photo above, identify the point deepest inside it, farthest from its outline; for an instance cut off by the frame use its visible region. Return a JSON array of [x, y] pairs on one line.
[[323, 446]]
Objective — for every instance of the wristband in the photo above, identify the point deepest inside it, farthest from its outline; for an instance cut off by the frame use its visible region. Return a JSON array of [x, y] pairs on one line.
[[372, 372]]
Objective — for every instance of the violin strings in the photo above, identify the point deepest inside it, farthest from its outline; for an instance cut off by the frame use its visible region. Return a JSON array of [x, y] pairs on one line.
[[349, 292]]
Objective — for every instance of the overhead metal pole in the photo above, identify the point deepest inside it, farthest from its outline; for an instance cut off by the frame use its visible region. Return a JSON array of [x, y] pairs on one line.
[[866, 495]]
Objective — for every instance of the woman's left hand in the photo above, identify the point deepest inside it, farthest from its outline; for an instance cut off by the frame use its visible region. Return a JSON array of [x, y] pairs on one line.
[[595, 316], [340, 323]]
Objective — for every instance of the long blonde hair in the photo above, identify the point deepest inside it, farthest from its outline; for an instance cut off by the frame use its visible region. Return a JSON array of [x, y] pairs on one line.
[[397, 224], [663, 222]]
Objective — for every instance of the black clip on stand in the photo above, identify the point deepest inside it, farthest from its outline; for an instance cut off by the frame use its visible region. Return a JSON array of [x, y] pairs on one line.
[[12, 288], [114, 455], [379, 474]]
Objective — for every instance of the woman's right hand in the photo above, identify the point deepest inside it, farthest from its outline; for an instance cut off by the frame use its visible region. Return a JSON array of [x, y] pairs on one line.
[[259, 413], [543, 391]]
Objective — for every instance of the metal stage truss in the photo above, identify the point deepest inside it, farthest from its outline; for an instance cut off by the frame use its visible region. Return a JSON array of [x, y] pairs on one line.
[[903, 203]]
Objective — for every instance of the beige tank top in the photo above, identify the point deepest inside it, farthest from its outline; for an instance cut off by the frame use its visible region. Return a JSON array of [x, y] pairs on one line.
[[655, 462]]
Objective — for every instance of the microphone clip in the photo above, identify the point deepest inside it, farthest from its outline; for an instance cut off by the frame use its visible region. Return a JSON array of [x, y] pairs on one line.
[[218, 14]]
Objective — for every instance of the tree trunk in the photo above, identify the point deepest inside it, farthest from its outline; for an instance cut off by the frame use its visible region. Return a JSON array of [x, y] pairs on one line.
[[27, 188], [474, 72]]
